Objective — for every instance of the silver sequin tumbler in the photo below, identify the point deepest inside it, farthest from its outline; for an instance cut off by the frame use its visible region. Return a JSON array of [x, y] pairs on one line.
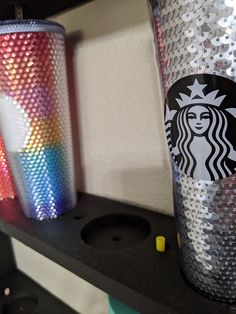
[[196, 42], [34, 116]]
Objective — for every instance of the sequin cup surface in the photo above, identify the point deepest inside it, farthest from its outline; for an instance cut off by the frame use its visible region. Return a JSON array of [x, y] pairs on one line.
[[34, 116], [196, 41]]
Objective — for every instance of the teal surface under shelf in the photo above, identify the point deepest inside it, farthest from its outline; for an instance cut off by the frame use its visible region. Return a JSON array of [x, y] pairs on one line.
[[116, 307]]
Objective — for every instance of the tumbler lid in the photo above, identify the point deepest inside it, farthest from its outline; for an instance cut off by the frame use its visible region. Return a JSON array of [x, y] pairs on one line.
[[30, 25]]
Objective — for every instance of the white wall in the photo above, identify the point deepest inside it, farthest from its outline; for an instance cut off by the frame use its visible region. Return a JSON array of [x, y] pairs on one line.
[[116, 98], [119, 104], [77, 293]]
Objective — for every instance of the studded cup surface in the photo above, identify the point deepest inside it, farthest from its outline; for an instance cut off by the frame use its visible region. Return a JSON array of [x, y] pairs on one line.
[[197, 37], [34, 104], [7, 188]]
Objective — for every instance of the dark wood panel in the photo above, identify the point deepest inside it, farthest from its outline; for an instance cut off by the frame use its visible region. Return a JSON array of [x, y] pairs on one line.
[[7, 262], [38, 9]]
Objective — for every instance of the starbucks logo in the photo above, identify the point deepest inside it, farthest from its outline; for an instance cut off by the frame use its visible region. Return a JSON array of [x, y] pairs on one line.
[[201, 126]]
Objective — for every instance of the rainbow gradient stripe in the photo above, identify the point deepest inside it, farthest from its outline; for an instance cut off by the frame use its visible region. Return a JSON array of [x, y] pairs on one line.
[[34, 102], [7, 188]]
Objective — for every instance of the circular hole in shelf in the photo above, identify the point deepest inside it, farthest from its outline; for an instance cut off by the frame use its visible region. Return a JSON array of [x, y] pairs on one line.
[[116, 239], [78, 217], [20, 305], [116, 231]]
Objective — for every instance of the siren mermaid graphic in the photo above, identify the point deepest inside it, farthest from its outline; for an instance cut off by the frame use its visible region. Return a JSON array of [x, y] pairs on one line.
[[199, 146]]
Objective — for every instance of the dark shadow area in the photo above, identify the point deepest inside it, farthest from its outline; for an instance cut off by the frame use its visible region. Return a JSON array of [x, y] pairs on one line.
[[149, 186], [21, 305], [71, 42], [37, 9], [21, 295], [7, 261]]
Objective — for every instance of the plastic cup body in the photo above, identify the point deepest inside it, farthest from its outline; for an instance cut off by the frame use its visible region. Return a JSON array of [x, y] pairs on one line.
[[196, 44], [34, 116]]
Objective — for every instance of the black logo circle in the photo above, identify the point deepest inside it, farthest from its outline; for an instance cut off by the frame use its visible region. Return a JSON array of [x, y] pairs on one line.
[[201, 127]]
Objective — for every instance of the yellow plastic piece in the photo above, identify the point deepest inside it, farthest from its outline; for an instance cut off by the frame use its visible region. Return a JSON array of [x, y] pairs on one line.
[[178, 238], [160, 244]]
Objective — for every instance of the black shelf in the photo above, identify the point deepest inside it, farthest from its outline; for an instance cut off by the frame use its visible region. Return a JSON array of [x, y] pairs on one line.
[[28, 297], [136, 274], [37, 9]]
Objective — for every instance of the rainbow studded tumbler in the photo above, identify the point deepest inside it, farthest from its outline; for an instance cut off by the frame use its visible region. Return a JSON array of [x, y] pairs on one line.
[[7, 189], [34, 116]]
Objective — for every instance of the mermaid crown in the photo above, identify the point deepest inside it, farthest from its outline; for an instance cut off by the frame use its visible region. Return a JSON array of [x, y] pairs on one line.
[[198, 97]]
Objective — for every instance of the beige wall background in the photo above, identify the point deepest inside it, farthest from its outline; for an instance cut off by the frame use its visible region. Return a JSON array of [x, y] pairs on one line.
[[117, 111]]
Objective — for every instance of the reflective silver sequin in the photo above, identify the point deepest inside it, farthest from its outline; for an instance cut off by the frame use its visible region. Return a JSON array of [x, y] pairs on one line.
[[193, 37]]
